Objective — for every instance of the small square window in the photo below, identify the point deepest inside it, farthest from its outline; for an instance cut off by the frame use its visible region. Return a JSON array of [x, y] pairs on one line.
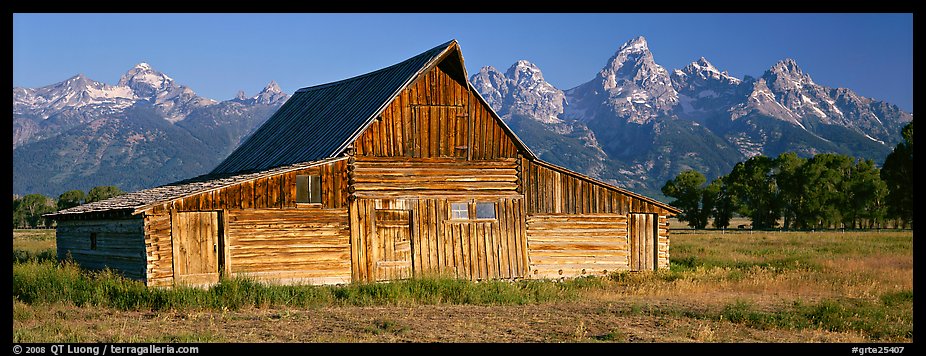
[[485, 210], [308, 189], [459, 211]]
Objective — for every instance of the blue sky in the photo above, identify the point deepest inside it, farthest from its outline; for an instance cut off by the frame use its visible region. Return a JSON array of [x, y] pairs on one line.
[[218, 54]]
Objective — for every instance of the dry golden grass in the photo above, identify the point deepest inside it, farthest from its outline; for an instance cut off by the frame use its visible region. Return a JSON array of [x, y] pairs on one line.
[[34, 240]]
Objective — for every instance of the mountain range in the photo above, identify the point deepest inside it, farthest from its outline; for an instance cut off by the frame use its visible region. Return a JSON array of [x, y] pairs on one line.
[[145, 131], [634, 124], [637, 124]]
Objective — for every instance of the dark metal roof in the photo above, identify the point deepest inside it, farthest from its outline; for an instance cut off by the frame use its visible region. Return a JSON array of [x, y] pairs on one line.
[[318, 122], [140, 200]]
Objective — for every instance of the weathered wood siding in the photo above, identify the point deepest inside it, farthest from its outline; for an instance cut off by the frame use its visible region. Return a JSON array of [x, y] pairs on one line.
[[570, 245], [437, 116], [392, 244], [269, 192], [308, 245], [552, 190], [663, 240], [470, 249], [120, 244], [373, 177]]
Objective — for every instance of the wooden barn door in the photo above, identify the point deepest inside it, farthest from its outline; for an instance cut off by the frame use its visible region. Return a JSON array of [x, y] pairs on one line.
[[392, 249], [643, 241], [196, 246]]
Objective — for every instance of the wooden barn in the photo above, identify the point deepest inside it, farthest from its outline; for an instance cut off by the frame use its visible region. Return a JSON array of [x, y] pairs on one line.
[[401, 172]]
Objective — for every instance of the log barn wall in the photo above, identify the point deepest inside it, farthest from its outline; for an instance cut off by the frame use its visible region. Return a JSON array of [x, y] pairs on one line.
[[273, 198], [566, 245], [576, 224], [308, 245], [119, 244]]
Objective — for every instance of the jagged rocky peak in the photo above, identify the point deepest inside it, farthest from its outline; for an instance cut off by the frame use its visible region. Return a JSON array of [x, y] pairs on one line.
[[531, 96], [632, 60], [241, 96], [635, 45], [492, 84], [524, 72], [145, 81], [787, 75], [704, 70], [270, 94], [521, 91], [634, 87]]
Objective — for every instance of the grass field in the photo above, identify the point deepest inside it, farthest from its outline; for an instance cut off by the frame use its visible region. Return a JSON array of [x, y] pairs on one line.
[[735, 286]]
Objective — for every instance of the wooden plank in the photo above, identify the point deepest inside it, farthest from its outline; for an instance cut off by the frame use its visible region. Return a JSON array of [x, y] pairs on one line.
[[366, 247], [357, 266], [406, 119], [504, 236], [445, 252], [492, 247], [434, 132], [465, 249], [433, 241], [522, 240], [395, 116]]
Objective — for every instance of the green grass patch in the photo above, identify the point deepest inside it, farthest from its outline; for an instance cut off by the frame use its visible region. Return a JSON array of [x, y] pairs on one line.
[[877, 320], [37, 281]]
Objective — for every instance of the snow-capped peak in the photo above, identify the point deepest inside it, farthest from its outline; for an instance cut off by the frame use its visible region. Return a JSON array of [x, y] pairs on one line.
[[702, 63], [272, 87], [525, 73], [270, 94], [705, 70], [635, 45], [788, 66], [147, 82]]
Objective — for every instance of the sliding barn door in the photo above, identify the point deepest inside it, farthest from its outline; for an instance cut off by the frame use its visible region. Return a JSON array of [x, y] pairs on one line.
[[196, 237]]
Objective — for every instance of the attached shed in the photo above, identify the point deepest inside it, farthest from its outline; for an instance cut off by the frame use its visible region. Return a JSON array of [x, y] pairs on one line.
[[401, 172]]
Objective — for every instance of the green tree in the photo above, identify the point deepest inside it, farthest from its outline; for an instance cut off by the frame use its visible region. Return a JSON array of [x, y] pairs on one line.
[[103, 192], [28, 211], [897, 173], [866, 192], [823, 191], [717, 198], [70, 199], [687, 189], [754, 192], [789, 181]]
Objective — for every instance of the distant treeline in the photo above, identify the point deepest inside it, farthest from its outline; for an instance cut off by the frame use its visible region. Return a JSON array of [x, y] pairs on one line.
[[824, 191], [28, 210]]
